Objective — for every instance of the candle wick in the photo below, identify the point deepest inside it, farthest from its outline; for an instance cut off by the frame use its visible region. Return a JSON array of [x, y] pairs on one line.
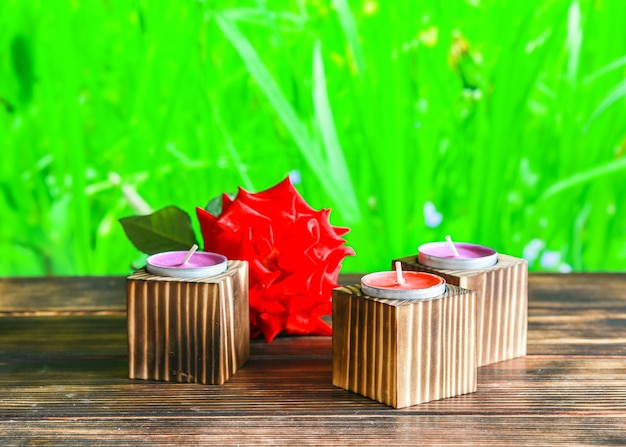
[[399, 275], [190, 253], [452, 247]]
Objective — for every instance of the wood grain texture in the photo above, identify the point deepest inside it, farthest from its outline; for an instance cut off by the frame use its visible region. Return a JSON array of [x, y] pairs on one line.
[[64, 380], [188, 330], [404, 352], [501, 304], [58, 295]]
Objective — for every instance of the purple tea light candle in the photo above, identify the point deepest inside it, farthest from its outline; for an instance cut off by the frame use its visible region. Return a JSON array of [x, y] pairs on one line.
[[456, 256], [186, 264]]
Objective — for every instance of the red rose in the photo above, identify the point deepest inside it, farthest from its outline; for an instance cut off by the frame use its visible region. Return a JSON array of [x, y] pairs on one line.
[[294, 254]]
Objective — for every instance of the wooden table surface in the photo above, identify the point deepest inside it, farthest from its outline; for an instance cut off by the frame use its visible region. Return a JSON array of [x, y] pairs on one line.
[[64, 366]]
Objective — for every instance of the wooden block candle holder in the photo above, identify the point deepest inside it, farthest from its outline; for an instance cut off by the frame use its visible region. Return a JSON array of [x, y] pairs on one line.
[[501, 304], [188, 329], [403, 352]]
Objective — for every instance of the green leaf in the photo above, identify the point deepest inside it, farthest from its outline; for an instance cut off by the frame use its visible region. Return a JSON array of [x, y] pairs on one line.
[[215, 205], [167, 229]]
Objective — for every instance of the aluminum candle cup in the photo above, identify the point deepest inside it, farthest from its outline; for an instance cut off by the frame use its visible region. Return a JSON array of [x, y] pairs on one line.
[[416, 286], [200, 265], [471, 256]]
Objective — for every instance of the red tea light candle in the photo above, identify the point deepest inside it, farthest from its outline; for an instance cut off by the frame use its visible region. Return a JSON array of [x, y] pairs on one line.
[[403, 285], [186, 264], [456, 256]]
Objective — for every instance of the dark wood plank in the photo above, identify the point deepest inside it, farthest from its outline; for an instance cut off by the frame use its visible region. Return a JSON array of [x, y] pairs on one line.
[[519, 402], [102, 293], [288, 430], [64, 294], [97, 385], [578, 314], [61, 294], [62, 338], [83, 354], [577, 291], [64, 380], [587, 323]]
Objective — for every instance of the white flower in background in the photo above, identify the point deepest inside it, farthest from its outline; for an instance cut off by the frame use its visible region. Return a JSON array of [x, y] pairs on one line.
[[532, 249], [565, 268], [295, 177], [550, 259], [432, 217]]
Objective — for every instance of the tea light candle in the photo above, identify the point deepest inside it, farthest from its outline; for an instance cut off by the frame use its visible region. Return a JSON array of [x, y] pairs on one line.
[[186, 264], [467, 257], [403, 285]]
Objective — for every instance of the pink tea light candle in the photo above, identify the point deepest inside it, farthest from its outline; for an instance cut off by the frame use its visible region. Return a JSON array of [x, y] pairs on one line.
[[403, 285], [186, 264], [456, 255]]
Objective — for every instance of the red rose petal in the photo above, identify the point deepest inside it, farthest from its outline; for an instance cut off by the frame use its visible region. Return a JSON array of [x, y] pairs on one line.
[[270, 325], [294, 254]]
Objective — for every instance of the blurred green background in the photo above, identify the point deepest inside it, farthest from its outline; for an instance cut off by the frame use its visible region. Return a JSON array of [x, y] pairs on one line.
[[500, 123]]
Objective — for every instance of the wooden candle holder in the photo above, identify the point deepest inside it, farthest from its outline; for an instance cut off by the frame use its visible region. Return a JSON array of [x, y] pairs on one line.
[[404, 352], [188, 329], [501, 304]]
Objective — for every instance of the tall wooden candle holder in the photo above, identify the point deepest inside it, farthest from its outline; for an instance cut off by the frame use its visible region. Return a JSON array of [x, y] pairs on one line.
[[404, 352], [188, 329], [501, 304]]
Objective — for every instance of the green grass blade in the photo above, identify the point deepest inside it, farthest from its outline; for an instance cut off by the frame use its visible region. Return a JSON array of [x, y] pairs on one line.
[[311, 151], [620, 62], [348, 24], [336, 162], [611, 98], [573, 41], [596, 173], [399, 104], [232, 149], [270, 88]]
